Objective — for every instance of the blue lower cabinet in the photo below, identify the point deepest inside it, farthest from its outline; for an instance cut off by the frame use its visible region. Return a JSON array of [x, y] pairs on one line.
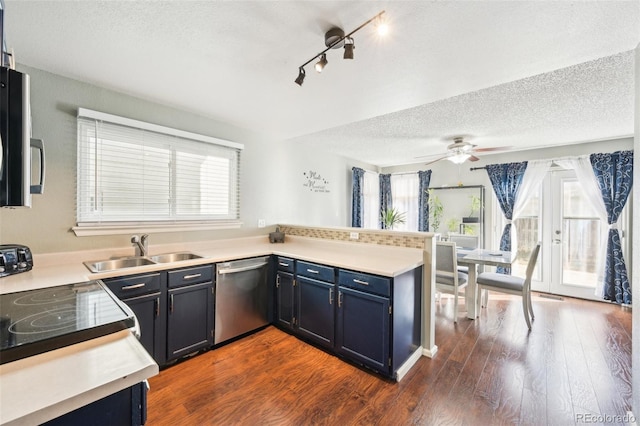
[[285, 300], [189, 320], [316, 313], [363, 328], [371, 320], [124, 408], [149, 311]]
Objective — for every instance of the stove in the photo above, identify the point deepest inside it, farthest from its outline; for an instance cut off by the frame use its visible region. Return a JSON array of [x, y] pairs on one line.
[[37, 321]]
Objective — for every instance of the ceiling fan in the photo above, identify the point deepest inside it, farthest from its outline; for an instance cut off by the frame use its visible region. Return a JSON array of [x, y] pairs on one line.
[[460, 151]]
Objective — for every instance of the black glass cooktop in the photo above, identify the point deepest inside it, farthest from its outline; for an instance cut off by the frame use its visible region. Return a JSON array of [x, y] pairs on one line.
[[37, 321]]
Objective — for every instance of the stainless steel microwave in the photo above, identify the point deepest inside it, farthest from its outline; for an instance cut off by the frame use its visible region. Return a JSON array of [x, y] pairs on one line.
[[16, 143]]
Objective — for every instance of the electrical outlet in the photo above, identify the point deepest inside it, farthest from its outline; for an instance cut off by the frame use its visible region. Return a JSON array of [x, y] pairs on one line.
[[261, 223], [354, 235]]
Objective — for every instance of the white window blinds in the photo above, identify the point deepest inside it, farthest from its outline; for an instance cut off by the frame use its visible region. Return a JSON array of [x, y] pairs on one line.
[[135, 172]]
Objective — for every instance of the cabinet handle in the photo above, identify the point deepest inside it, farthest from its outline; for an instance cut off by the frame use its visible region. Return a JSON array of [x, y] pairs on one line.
[[157, 307], [360, 282], [312, 271], [283, 264], [339, 299], [171, 303], [331, 296], [132, 287], [192, 276]]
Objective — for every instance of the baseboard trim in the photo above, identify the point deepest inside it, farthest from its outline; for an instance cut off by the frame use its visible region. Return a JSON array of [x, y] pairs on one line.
[[404, 368], [430, 353]]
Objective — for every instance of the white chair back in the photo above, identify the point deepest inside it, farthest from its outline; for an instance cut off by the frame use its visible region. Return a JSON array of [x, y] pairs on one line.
[[466, 241], [446, 261]]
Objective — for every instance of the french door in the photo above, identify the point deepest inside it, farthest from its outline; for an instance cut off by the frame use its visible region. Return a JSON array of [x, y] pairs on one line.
[[561, 217]]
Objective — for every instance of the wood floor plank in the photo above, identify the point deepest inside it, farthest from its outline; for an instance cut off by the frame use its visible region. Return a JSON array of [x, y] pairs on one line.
[[575, 360]]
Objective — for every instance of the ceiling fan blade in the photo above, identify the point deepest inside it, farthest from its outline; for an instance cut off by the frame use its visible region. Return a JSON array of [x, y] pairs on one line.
[[495, 148], [435, 161], [473, 158]]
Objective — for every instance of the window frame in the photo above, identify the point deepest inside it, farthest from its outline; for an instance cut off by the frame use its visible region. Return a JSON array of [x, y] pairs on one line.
[[171, 222]]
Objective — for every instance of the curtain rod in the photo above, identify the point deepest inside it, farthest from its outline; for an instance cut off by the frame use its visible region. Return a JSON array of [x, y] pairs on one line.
[[477, 168]]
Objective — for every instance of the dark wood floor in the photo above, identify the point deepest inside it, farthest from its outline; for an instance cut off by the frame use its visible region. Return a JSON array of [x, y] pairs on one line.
[[575, 363]]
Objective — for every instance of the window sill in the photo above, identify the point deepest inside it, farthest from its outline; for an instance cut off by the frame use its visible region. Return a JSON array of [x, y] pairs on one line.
[[118, 229]]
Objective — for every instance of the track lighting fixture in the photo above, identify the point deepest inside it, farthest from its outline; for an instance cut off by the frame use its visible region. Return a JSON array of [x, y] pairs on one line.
[[335, 38], [321, 63], [301, 75], [348, 48]]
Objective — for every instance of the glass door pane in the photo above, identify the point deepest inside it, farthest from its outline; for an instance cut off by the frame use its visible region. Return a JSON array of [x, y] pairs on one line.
[[581, 241], [575, 238]]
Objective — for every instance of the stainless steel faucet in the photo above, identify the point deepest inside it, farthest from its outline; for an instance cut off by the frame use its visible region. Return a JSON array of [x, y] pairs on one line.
[[141, 245]]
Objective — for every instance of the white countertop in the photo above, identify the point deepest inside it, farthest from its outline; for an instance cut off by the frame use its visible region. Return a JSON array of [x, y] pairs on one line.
[[45, 386], [66, 268]]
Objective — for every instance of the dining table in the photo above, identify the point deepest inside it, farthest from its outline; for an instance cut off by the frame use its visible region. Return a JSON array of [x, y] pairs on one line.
[[476, 260]]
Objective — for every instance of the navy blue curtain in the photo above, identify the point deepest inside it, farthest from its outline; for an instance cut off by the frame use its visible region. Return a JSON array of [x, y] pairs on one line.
[[614, 172], [385, 196], [506, 180], [423, 200], [357, 197]]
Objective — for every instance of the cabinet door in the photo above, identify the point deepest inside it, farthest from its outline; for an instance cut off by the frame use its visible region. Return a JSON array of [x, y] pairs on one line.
[[189, 320], [285, 299], [150, 313], [316, 317], [363, 328]]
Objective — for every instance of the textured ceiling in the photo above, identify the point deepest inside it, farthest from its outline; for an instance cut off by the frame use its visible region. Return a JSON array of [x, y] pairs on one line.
[[517, 73]]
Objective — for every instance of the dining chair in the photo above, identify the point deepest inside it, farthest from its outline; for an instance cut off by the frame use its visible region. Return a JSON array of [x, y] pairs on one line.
[[448, 278], [512, 285], [466, 241]]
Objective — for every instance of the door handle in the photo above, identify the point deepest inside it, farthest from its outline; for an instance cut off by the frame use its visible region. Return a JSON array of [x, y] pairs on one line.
[[171, 303], [331, 296]]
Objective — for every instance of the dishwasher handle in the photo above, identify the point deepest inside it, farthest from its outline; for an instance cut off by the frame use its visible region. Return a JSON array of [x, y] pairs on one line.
[[242, 268]]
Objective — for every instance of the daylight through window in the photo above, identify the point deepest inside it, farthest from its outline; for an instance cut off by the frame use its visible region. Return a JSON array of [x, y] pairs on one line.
[[135, 172]]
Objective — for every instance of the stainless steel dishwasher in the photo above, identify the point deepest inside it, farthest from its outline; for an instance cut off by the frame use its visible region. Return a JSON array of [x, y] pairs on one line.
[[241, 297]]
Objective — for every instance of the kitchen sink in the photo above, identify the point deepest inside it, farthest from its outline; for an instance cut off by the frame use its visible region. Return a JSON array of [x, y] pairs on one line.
[[131, 261], [174, 257], [115, 264]]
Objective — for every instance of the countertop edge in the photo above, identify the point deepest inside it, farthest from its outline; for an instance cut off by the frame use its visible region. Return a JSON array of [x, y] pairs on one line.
[[38, 410]]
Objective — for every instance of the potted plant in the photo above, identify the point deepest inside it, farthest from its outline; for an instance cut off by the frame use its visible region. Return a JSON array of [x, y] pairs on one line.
[[475, 208], [391, 217], [435, 211]]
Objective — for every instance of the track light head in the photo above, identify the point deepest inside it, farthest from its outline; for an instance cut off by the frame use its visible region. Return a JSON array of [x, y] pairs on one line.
[[336, 38], [321, 63], [348, 48], [301, 75], [382, 26]]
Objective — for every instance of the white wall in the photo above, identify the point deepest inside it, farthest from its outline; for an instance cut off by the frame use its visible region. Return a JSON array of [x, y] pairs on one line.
[[271, 171]]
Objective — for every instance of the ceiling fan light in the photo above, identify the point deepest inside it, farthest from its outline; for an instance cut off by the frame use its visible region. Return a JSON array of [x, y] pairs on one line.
[[459, 158]]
